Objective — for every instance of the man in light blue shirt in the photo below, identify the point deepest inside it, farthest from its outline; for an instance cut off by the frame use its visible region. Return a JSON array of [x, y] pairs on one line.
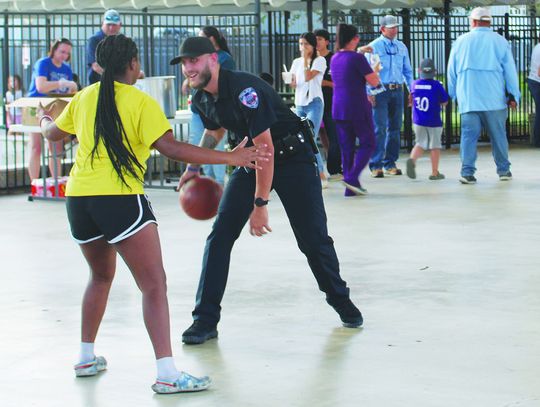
[[482, 77], [395, 72]]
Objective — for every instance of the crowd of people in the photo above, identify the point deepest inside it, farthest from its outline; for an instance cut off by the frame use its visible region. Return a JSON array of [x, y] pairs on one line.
[[357, 94], [314, 88], [369, 99]]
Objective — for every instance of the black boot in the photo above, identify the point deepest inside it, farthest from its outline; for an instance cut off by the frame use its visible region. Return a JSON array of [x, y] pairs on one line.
[[349, 314], [199, 332]]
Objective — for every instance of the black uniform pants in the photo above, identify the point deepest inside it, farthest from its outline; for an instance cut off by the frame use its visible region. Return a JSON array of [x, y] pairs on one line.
[[333, 160], [297, 182]]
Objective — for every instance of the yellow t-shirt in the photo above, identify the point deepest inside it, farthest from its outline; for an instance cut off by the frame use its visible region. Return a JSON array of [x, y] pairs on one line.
[[144, 122]]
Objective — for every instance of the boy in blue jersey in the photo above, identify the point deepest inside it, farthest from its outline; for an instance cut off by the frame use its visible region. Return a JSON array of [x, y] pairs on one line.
[[428, 96]]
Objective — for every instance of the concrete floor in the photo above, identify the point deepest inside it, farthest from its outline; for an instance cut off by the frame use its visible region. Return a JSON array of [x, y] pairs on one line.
[[446, 275]]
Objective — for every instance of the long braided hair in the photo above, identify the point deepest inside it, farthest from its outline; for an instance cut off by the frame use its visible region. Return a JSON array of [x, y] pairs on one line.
[[114, 54]]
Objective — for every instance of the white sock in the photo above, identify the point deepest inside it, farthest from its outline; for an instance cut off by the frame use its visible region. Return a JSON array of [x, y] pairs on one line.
[[166, 369], [87, 352]]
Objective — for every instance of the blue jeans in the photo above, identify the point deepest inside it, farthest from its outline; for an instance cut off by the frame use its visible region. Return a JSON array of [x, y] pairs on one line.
[[494, 121], [387, 118], [196, 130], [314, 112], [534, 88]]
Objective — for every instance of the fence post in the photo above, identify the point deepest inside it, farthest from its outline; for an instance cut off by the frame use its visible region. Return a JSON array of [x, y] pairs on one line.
[[270, 43], [507, 36], [532, 13], [47, 34], [147, 50], [287, 15], [406, 15], [152, 67], [309, 12], [507, 26], [258, 47], [448, 129], [324, 6], [5, 60]]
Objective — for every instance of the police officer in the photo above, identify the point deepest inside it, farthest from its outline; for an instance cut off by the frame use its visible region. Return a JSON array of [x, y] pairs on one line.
[[247, 106]]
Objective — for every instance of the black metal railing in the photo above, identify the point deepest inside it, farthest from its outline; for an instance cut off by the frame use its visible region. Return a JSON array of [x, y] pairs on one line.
[[425, 37], [26, 37]]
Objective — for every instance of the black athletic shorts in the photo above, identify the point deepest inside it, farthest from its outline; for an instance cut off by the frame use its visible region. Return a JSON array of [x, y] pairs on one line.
[[115, 217]]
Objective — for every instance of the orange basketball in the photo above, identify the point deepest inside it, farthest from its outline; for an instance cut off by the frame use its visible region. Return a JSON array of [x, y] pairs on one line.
[[199, 197]]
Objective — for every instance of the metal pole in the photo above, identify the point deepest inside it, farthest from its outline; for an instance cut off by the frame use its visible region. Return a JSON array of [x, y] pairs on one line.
[[287, 16], [258, 45], [532, 25], [324, 6], [270, 44], [507, 26], [5, 59], [145, 39], [5, 73], [309, 12], [152, 67], [406, 15], [507, 36], [532, 14], [448, 130]]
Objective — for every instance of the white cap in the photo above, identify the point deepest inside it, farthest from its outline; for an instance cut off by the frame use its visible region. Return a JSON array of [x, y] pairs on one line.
[[480, 14]]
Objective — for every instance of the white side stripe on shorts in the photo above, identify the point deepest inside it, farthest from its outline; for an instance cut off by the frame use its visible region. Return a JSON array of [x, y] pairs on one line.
[[122, 236], [88, 240], [125, 236]]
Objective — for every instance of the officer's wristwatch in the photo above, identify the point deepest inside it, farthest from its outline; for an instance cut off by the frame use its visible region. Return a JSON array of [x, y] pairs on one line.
[[260, 202]]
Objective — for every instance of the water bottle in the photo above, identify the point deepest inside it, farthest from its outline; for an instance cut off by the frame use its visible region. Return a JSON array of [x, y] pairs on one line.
[[375, 60]]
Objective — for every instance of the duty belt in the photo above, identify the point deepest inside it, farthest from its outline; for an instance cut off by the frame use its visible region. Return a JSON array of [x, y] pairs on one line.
[[393, 86], [289, 145]]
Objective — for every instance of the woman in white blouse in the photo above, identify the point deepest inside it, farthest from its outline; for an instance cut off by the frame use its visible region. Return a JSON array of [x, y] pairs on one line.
[[308, 71]]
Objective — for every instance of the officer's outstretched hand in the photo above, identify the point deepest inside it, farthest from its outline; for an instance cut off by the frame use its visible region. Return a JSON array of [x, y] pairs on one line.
[[258, 221], [246, 156]]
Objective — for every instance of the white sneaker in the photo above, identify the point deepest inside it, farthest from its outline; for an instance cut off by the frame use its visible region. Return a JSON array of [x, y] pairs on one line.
[[92, 368], [185, 383], [324, 183], [335, 177], [324, 180]]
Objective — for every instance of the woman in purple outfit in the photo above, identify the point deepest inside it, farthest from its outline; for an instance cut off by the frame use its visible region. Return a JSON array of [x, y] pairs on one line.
[[351, 109]]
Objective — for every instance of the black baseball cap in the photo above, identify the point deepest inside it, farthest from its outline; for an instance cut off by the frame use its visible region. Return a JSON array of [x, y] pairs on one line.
[[193, 47]]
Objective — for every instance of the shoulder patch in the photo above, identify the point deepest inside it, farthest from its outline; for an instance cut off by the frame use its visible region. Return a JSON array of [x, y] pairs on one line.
[[248, 97]]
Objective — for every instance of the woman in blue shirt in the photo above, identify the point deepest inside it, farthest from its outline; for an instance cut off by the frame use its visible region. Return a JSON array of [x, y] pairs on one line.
[[50, 75]]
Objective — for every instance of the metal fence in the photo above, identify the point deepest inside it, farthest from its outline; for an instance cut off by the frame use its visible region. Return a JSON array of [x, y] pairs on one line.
[[159, 36], [424, 37]]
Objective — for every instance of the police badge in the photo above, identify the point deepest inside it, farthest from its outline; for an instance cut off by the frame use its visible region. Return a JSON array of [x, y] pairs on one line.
[[249, 98]]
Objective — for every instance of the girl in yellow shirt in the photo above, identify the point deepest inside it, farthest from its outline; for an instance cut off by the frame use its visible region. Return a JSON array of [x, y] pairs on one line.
[[117, 125]]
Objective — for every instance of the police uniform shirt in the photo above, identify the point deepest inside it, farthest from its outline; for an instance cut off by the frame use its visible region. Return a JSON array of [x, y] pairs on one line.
[[246, 106]]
